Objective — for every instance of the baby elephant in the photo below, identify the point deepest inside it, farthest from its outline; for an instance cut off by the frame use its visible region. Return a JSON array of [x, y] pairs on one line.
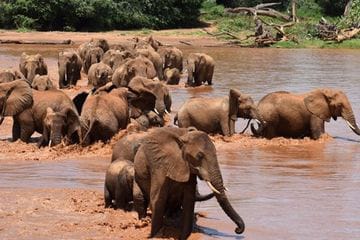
[[42, 83], [119, 181], [172, 76]]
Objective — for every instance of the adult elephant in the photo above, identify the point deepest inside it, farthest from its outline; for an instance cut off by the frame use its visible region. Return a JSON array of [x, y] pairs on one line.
[[92, 56], [217, 115], [157, 89], [155, 58], [9, 75], [139, 66], [30, 65], [303, 115], [42, 83], [50, 113], [99, 74], [94, 42], [147, 42], [200, 67], [70, 64], [172, 57], [166, 166], [114, 58]]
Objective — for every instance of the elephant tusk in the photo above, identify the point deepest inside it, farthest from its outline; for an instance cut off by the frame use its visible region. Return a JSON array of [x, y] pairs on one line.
[[350, 125], [50, 143], [226, 189], [212, 187], [156, 111], [166, 111]]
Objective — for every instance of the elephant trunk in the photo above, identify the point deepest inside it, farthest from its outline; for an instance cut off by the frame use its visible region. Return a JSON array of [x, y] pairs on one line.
[[190, 69], [31, 74], [216, 184], [55, 137], [350, 120]]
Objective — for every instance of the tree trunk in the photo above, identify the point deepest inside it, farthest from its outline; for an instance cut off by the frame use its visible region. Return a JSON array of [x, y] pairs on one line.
[[293, 11], [347, 8]]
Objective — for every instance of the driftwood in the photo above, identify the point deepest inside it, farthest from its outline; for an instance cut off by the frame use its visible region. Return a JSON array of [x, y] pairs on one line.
[[329, 32], [220, 34], [65, 42]]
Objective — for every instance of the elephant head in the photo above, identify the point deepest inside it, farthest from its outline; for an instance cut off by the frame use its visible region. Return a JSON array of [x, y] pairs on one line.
[[197, 155], [9, 75], [327, 103], [101, 43], [155, 88], [42, 83], [194, 63], [100, 74], [92, 56], [69, 63], [15, 97], [58, 124], [241, 106], [147, 42], [30, 65]]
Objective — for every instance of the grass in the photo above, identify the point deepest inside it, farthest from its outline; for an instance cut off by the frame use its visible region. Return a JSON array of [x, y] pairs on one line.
[[309, 14]]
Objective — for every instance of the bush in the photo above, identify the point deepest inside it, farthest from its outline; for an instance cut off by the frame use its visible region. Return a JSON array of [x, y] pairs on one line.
[[98, 14], [333, 7], [249, 3]]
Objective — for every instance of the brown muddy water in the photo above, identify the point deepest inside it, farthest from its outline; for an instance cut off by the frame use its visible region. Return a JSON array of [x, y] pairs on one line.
[[283, 189]]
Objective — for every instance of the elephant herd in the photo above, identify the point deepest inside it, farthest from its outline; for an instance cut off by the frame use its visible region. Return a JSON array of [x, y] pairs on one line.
[[158, 168]]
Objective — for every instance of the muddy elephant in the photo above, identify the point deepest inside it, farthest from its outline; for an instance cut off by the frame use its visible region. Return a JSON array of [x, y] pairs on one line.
[[127, 146], [70, 64], [94, 42], [172, 57], [217, 115], [114, 58], [292, 115], [92, 56], [166, 168], [42, 83], [149, 119], [147, 42], [30, 65], [172, 76], [155, 58], [119, 184], [99, 74], [140, 66], [50, 113], [200, 67], [9, 75], [155, 89]]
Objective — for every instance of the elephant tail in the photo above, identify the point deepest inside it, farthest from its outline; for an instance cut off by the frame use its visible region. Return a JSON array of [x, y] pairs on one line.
[[91, 126], [176, 120]]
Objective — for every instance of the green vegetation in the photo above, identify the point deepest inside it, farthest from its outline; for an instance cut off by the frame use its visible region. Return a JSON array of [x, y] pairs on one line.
[[95, 15]]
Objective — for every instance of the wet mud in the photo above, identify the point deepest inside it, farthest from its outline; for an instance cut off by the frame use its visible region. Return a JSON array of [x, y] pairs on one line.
[[282, 188]]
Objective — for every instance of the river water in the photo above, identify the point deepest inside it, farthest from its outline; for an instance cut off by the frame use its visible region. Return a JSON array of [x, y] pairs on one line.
[[294, 190]]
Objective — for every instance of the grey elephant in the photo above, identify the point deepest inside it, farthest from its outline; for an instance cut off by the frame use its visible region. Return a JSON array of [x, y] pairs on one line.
[[172, 76], [69, 64], [31, 112], [200, 67], [155, 89], [155, 58], [140, 66], [99, 74], [115, 58], [8, 75], [94, 42], [293, 115], [172, 57], [166, 168], [42, 83], [93, 55], [30, 65], [119, 184], [217, 115]]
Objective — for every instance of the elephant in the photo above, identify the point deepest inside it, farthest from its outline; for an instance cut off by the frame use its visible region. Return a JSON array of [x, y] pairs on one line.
[[8, 75], [147, 42], [94, 42], [166, 168], [217, 115], [150, 119], [139, 66], [42, 83], [200, 67], [114, 58], [119, 184], [30, 65], [172, 76], [92, 56], [155, 88], [51, 113], [99, 74], [155, 58], [70, 64], [293, 115], [172, 57]]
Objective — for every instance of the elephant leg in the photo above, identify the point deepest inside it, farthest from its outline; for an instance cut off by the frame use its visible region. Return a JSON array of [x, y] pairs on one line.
[[140, 202], [225, 127], [107, 197], [26, 124], [16, 130], [188, 208], [317, 127], [209, 75], [158, 196]]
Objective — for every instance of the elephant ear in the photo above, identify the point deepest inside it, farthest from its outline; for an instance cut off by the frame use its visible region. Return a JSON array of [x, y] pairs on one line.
[[234, 96], [139, 103], [317, 103], [72, 120], [178, 169], [18, 97], [79, 101]]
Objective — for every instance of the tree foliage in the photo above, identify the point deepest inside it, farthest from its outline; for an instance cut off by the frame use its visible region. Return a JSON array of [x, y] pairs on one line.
[[98, 14], [332, 7]]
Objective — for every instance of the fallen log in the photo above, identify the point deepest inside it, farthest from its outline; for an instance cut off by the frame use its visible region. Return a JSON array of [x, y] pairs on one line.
[[65, 42]]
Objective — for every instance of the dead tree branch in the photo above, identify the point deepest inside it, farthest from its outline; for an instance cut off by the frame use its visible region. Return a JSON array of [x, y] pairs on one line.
[[65, 42]]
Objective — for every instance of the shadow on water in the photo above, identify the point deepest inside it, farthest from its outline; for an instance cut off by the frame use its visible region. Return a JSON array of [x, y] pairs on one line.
[[212, 232]]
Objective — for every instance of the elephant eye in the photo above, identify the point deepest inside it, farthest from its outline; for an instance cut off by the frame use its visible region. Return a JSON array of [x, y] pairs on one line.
[[200, 156]]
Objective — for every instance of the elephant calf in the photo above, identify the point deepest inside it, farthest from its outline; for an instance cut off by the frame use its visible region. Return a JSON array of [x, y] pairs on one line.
[[200, 67], [42, 83], [99, 74], [172, 76], [70, 64], [217, 115], [30, 65]]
